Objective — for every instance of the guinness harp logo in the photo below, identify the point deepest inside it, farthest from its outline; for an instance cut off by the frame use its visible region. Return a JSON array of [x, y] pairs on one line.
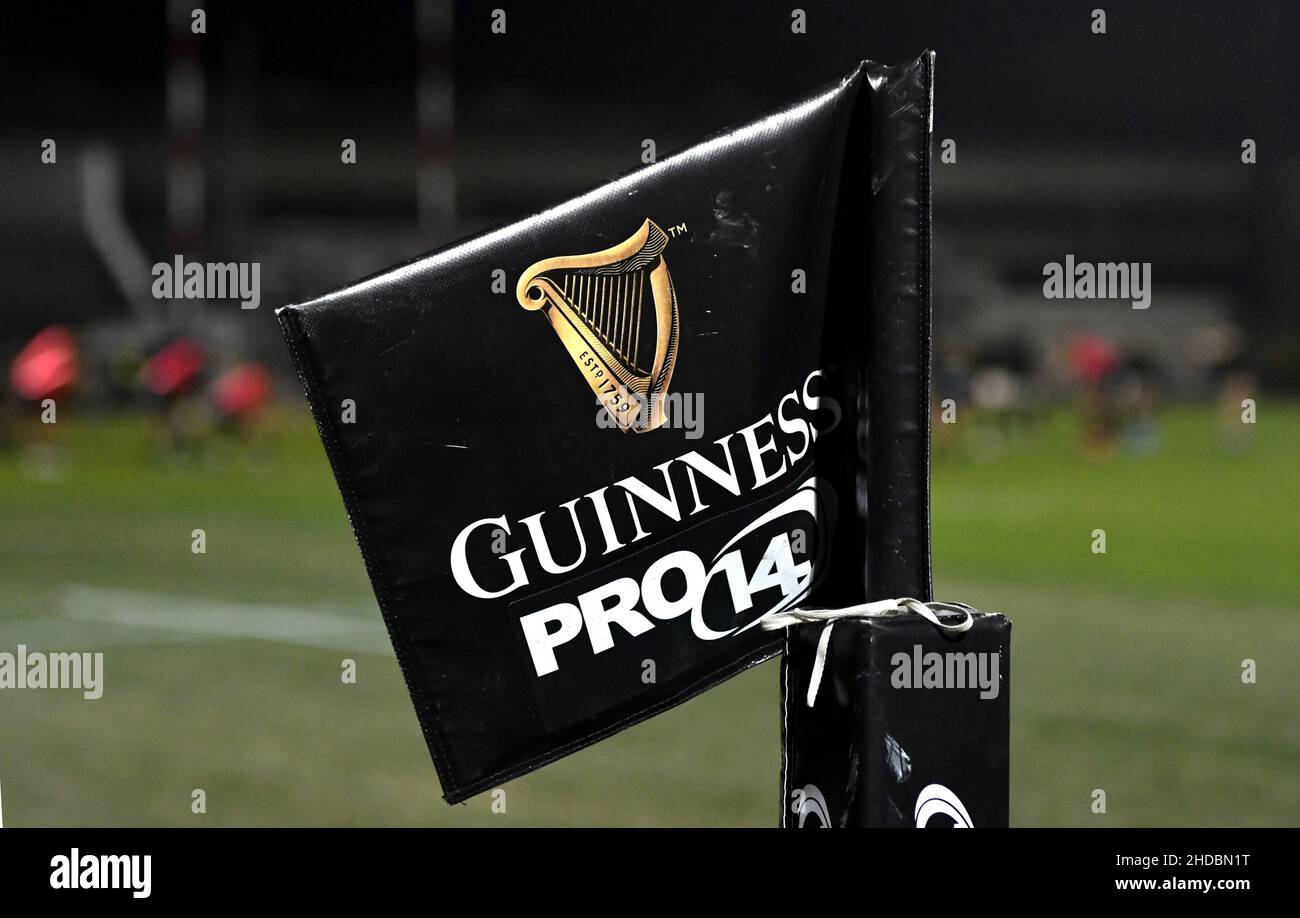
[[615, 311]]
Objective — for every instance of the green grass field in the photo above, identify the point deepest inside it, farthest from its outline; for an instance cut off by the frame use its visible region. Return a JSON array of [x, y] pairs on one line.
[[1127, 665]]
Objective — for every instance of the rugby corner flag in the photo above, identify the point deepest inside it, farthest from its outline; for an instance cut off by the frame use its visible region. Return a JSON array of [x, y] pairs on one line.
[[699, 399]]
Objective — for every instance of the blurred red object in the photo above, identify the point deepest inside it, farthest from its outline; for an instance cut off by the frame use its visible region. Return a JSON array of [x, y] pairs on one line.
[[242, 390], [1092, 358], [174, 368], [47, 366]]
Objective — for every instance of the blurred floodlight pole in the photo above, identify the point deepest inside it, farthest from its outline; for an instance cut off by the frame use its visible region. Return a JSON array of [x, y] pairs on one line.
[[435, 113], [103, 217], [186, 175]]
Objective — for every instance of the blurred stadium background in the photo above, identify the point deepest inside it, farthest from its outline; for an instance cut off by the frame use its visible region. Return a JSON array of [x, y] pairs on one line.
[[223, 668]]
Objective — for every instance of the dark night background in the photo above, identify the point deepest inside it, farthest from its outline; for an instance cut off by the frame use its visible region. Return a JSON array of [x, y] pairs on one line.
[[1117, 146]]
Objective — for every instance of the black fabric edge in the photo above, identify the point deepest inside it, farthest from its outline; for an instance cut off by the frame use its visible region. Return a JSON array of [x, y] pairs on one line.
[[762, 655], [887, 438], [925, 334], [784, 689], [299, 349], [925, 285]]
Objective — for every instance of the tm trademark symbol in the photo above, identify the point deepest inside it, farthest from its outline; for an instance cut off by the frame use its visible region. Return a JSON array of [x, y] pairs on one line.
[[677, 230]]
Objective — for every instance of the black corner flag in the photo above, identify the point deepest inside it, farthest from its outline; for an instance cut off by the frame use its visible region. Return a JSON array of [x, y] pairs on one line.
[[588, 455]]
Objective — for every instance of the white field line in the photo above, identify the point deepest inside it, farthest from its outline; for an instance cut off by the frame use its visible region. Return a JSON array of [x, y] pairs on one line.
[[59, 632], [217, 619]]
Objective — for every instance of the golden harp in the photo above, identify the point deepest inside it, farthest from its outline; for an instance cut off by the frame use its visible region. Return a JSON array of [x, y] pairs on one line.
[[616, 313]]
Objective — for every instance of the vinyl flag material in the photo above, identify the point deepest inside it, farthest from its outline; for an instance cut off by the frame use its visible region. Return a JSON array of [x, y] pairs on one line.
[[585, 454]]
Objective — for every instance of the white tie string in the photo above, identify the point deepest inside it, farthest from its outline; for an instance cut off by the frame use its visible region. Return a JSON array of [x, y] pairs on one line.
[[879, 608]]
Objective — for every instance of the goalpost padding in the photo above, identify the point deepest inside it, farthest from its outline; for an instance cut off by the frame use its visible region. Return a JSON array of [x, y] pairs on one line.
[[836, 755]]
